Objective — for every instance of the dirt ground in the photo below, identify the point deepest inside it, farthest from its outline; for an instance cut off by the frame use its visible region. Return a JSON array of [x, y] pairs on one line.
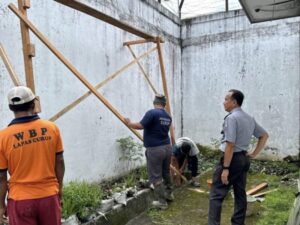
[[191, 207]]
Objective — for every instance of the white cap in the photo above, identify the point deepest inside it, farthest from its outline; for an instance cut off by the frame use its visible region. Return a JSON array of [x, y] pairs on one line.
[[20, 95]]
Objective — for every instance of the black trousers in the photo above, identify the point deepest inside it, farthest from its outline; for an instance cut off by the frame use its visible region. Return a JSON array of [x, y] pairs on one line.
[[239, 167], [192, 163]]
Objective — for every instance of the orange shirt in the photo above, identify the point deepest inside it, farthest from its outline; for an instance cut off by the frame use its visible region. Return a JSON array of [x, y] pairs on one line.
[[28, 150]]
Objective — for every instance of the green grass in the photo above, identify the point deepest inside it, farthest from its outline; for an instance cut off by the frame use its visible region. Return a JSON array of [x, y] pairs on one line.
[[80, 198], [277, 205]]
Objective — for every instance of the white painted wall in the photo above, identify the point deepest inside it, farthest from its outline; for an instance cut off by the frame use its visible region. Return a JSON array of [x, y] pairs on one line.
[[96, 49], [220, 52], [224, 51]]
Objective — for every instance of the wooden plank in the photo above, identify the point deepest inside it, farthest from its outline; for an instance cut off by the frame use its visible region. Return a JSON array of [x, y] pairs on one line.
[[143, 71], [23, 5], [142, 41], [75, 4], [198, 190], [257, 188], [264, 193], [71, 67], [99, 85], [9, 67], [165, 87]]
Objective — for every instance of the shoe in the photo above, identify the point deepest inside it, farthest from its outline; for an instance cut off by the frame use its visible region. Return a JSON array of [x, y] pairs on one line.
[[195, 184], [159, 205], [169, 197]]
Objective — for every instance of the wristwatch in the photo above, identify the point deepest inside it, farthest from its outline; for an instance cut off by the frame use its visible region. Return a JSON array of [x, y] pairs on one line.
[[225, 167]]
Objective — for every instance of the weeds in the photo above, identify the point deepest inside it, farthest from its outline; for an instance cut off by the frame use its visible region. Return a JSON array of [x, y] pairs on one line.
[[130, 151], [80, 198]]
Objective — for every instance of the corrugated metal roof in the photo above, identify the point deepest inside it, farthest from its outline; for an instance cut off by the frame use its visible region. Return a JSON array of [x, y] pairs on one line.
[[193, 8]]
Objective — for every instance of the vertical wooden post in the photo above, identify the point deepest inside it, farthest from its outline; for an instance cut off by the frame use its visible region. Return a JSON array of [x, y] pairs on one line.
[[164, 81], [28, 48]]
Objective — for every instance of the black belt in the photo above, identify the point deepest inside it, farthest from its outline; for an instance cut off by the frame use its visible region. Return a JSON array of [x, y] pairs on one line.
[[237, 153]]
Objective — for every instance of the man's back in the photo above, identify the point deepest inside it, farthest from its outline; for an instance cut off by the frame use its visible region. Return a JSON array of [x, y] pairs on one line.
[[28, 150], [239, 127], [156, 123]]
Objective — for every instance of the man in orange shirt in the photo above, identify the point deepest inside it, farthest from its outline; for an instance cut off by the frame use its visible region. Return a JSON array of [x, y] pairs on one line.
[[31, 152]]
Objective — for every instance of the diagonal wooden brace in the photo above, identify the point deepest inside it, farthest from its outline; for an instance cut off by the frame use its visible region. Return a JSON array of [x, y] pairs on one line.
[[99, 85], [143, 71], [9, 67]]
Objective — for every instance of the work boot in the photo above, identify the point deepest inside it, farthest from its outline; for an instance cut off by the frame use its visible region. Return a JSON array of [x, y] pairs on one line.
[[159, 195], [169, 196]]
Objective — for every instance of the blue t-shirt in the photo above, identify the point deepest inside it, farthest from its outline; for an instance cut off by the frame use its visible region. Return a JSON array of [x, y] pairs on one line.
[[156, 123]]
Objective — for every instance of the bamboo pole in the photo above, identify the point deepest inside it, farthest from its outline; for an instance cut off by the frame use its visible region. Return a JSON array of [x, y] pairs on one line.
[[142, 69], [99, 85], [75, 4], [9, 67], [27, 55], [142, 41], [165, 87], [71, 67]]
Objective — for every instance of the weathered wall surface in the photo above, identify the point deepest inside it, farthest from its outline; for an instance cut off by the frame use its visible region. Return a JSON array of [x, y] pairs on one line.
[[224, 51], [96, 49]]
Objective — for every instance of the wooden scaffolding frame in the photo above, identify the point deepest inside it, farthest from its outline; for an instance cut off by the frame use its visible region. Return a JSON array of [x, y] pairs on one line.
[[26, 25]]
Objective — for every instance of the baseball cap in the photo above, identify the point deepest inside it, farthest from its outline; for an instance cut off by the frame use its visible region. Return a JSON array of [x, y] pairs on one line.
[[20, 95]]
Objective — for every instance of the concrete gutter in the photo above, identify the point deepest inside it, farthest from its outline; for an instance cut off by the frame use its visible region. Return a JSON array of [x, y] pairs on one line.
[[121, 214]]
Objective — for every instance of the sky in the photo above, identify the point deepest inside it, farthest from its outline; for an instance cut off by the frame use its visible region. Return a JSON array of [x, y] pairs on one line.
[[193, 8]]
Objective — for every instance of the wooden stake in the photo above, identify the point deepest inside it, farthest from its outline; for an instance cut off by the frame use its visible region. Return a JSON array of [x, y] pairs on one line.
[[75, 4], [99, 85], [71, 67], [142, 69], [9, 67], [165, 87], [257, 188], [178, 173], [142, 41], [263, 193], [23, 5]]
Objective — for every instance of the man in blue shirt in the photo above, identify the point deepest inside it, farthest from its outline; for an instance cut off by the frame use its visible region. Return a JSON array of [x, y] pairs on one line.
[[238, 128], [156, 124]]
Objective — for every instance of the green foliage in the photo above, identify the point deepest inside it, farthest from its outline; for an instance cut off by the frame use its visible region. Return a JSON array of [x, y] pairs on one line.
[[79, 198], [143, 173], [130, 151], [276, 207]]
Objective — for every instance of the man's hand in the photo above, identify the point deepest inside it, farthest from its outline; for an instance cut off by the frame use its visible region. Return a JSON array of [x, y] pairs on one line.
[[224, 176], [251, 155], [181, 170], [127, 120], [2, 215]]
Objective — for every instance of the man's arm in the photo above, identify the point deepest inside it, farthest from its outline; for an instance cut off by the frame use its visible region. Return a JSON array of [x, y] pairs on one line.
[[60, 171], [3, 191], [227, 160], [259, 146], [137, 126], [185, 162]]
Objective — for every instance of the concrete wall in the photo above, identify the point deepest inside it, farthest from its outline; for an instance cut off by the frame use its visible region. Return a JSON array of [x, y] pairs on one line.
[[224, 51], [96, 49]]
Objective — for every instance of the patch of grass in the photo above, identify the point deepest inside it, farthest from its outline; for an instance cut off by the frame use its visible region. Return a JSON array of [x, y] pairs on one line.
[[80, 198], [158, 218], [276, 207]]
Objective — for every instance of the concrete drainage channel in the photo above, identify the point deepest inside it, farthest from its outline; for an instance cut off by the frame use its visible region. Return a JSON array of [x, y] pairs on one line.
[[119, 213]]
